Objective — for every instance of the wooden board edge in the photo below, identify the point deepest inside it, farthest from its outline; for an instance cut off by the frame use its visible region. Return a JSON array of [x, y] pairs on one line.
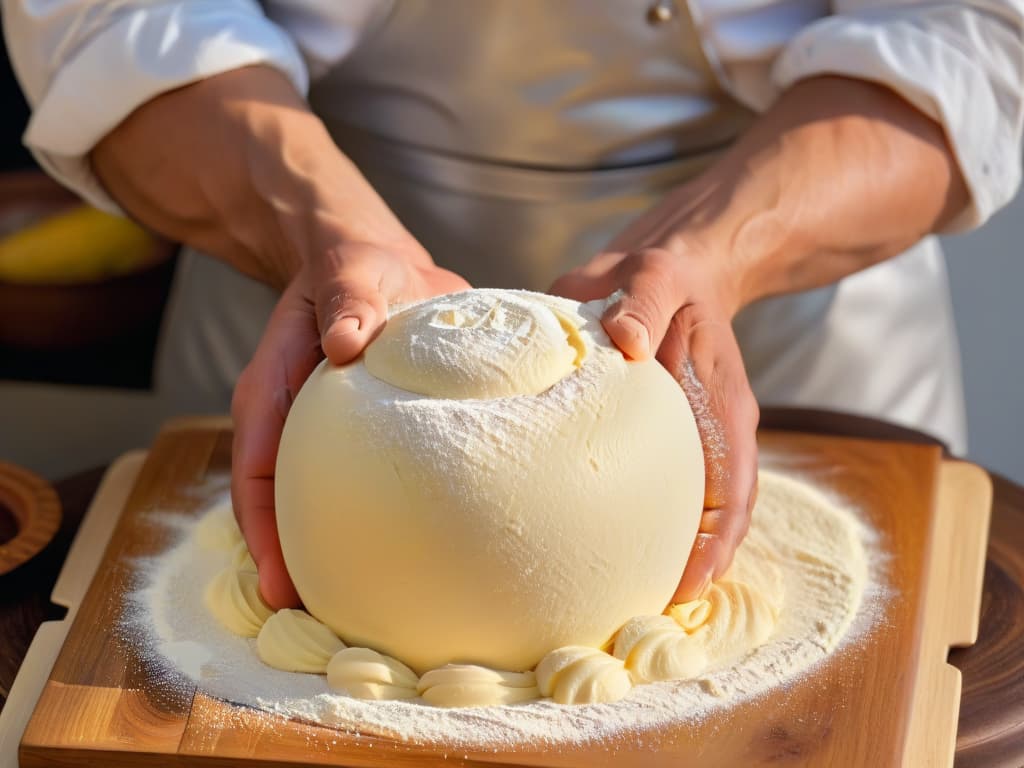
[[76, 574], [968, 487], [94, 533], [951, 609]]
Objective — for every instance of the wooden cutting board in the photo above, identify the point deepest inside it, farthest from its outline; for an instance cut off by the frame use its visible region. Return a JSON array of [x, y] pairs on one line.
[[889, 699]]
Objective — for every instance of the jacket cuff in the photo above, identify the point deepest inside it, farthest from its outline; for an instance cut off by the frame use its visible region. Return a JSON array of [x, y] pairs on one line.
[[940, 62], [143, 54]]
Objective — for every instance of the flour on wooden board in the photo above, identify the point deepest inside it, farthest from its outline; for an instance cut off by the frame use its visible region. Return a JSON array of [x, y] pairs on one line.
[[832, 586]]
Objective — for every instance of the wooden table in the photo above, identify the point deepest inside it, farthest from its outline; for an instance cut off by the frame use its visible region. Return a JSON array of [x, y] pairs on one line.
[[991, 730]]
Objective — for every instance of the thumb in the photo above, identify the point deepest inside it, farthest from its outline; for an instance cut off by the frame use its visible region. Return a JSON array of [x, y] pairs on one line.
[[639, 316], [351, 308]]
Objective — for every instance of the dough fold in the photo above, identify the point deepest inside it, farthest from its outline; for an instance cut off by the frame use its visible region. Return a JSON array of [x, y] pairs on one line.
[[741, 618], [241, 558], [656, 648], [218, 530], [365, 674], [580, 674], [233, 597], [294, 641], [469, 685]]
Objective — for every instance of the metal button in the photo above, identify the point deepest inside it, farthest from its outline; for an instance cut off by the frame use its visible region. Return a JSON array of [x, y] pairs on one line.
[[661, 12]]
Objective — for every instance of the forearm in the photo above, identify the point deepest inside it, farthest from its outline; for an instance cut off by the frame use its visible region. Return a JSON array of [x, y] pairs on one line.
[[838, 175], [237, 166]]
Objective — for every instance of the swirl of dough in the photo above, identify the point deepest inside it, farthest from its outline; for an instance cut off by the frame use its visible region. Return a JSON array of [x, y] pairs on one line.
[[365, 674], [480, 345], [233, 597], [241, 558], [469, 685], [741, 618], [578, 674], [655, 648], [691, 615], [218, 530], [294, 641]]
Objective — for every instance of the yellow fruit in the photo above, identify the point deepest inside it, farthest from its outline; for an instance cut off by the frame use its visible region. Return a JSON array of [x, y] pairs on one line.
[[74, 246]]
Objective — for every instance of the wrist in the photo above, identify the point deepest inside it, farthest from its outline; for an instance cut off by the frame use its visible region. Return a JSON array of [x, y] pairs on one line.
[[313, 199], [730, 223]]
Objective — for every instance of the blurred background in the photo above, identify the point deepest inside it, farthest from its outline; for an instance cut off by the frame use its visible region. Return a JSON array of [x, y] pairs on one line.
[[99, 286]]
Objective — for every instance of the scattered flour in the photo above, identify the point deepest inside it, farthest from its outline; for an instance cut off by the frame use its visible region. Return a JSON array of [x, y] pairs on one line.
[[831, 578]]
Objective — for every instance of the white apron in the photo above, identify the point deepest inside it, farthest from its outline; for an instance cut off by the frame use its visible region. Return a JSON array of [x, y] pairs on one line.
[[514, 138]]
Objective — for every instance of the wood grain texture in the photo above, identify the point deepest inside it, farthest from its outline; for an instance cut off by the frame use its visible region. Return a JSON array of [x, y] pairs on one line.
[[36, 509], [855, 710]]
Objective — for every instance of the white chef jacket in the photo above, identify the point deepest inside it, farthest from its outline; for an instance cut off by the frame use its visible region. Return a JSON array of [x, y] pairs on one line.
[[960, 63]]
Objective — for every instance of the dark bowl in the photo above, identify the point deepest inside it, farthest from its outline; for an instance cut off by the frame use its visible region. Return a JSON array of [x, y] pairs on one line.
[[45, 316]]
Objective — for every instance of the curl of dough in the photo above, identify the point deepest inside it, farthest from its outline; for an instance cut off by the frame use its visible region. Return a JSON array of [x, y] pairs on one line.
[[469, 685], [365, 674], [233, 597], [732, 620], [656, 648], [476, 345], [218, 530], [294, 641], [241, 558], [741, 618], [692, 615], [578, 674]]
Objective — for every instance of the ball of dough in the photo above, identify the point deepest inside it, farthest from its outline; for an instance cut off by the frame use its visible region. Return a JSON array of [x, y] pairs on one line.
[[491, 481]]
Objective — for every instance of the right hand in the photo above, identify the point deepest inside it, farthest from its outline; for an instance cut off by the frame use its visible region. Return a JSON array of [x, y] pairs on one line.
[[237, 166], [334, 306]]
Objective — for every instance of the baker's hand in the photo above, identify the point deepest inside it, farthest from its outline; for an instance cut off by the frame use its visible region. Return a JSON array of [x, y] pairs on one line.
[[673, 302], [334, 307], [237, 166]]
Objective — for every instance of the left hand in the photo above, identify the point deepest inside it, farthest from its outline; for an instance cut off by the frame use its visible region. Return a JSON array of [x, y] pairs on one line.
[[838, 174], [677, 305]]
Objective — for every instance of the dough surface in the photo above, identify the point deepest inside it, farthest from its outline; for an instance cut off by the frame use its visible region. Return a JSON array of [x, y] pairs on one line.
[[495, 482]]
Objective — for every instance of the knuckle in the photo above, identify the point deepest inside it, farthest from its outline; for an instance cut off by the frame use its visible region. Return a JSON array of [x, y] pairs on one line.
[[694, 320], [565, 284], [602, 263], [640, 306], [656, 262]]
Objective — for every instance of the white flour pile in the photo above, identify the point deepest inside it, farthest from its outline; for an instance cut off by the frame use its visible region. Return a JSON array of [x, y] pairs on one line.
[[831, 581]]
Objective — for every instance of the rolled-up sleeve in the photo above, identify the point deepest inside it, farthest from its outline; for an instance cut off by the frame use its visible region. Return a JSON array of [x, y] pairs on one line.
[[960, 63], [86, 65]]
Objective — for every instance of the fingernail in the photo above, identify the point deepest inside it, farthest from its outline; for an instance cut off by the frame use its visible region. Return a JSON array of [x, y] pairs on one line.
[[638, 331], [344, 326], [615, 298]]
